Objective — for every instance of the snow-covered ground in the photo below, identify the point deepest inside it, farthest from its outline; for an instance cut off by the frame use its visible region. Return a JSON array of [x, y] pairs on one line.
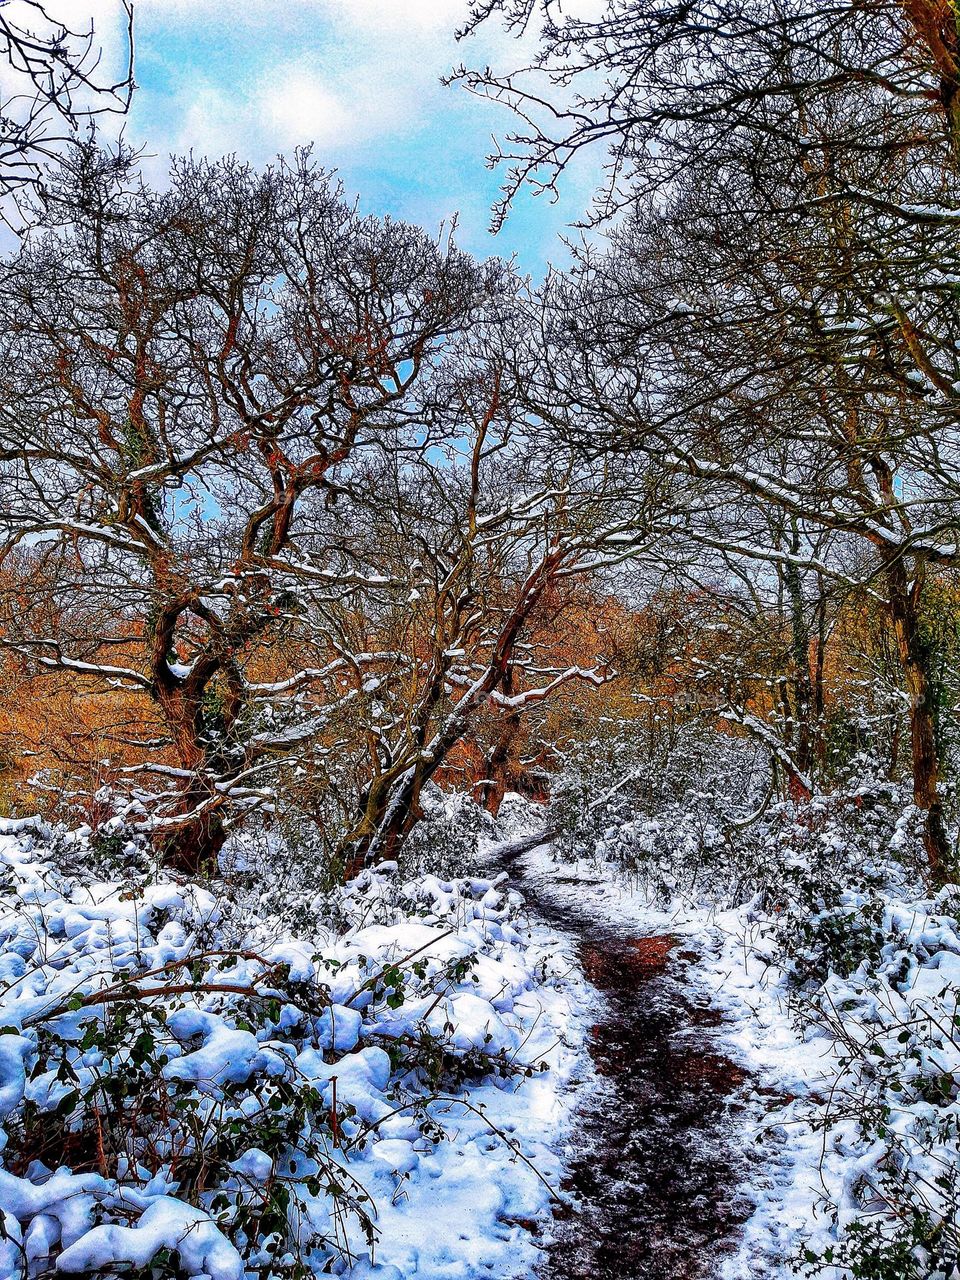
[[757, 1033], [412, 1065], [854, 1098], [184, 1083]]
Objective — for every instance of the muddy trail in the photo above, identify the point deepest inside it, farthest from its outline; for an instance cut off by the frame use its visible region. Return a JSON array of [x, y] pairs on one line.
[[654, 1165]]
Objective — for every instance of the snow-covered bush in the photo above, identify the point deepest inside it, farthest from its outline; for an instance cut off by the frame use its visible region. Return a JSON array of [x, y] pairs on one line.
[[832, 858], [180, 1100], [444, 840], [668, 808], [694, 814], [891, 1119], [280, 872], [286, 872], [870, 969]]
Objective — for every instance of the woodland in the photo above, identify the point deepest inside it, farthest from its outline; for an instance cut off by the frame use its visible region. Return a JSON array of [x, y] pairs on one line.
[[393, 646]]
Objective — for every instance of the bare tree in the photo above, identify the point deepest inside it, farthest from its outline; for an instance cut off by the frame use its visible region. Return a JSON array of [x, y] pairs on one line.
[[653, 84], [805, 362], [279, 450], [491, 537], [53, 86], [779, 317], [469, 539], [761, 595], [188, 380]]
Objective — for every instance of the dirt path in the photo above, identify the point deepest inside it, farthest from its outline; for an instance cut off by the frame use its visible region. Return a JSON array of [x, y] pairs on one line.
[[654, 1166]]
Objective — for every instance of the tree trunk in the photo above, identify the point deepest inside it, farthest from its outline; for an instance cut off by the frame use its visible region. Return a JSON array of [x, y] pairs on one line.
[[819, 745], [391, 806], [496, 776], [803, 700], [914, 655], [390, 810], [192, 849], [497, 773]]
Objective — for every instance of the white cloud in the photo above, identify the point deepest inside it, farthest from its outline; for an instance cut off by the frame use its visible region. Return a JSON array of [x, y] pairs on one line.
[[289, 104], [387, 17], [300, 108], [340, 73], [359, 78], [397, 16]]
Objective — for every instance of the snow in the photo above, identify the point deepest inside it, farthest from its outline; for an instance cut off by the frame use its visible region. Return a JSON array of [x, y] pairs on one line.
[[398, 973], [453, 1172], [815, 1168], [165, 1224]]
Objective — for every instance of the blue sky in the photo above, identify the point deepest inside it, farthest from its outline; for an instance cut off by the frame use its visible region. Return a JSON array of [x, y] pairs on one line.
[[359, 79]]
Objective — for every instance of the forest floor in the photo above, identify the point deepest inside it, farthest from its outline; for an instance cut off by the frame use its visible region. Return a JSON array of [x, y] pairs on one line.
[[672, 1173], [533, 1073]]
